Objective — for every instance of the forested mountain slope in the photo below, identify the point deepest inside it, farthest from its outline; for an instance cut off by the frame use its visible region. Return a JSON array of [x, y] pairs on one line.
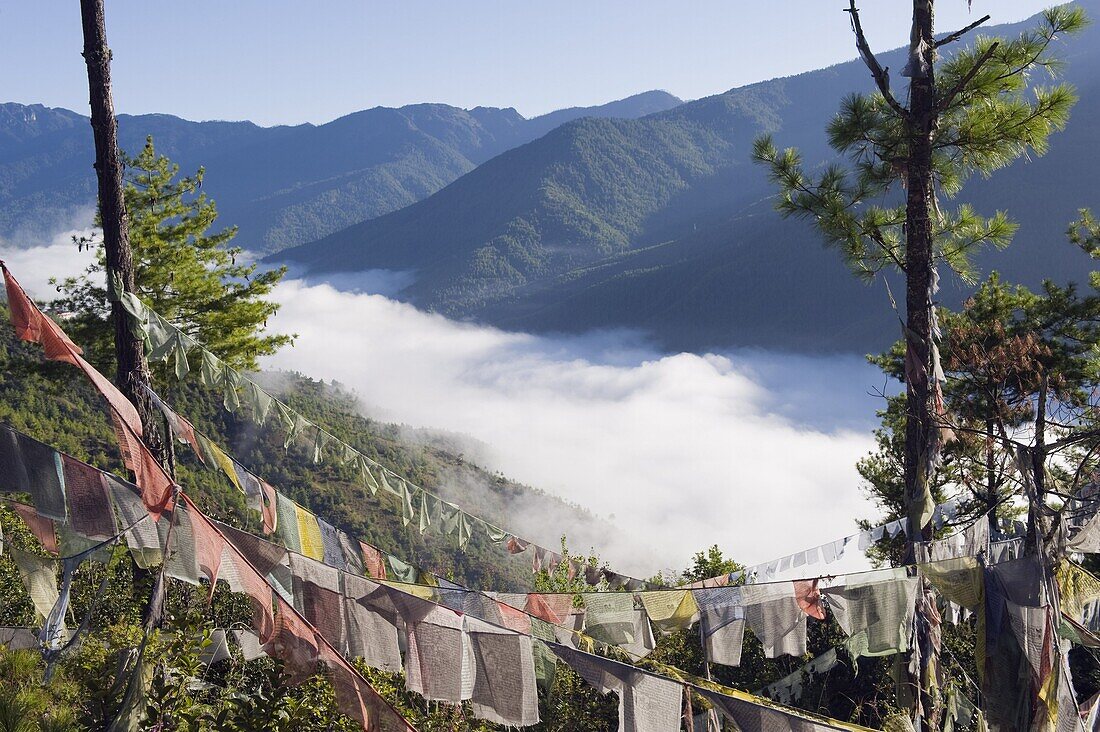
[[280, 185], [662, 223], [44, 400]]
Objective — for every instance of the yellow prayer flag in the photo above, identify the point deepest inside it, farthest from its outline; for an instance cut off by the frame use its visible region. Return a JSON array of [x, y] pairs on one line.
[[424, 593], [226, 464], [669, 610], [309, 531]]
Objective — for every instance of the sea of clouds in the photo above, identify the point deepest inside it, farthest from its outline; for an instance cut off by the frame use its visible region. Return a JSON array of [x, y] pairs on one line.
[[752, 451]]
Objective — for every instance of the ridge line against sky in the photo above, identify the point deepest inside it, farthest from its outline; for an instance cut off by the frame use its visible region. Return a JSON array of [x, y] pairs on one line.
[[278, 62]]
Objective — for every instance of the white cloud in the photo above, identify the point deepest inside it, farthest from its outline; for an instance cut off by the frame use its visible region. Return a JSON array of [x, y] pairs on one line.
[[33, 266], [682, 450], [751, 451]]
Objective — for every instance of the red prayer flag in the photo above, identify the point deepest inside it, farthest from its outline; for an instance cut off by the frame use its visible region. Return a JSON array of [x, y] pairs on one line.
[[809, 598], [40, 526], [32, 325]]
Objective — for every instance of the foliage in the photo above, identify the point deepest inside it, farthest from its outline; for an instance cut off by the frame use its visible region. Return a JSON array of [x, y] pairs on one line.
[[992, 114], [998, 353], [185, 273]]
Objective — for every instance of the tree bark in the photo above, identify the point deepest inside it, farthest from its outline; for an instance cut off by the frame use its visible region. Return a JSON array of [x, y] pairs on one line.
[[921, 429], [132, 370], [920, 424], [1037, 525]]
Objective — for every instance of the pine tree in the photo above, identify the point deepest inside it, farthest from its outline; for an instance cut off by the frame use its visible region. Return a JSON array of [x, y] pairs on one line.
[[184, 271], [972, 113], [997, 353]]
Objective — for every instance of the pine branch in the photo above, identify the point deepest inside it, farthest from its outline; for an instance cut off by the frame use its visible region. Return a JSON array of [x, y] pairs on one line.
[[945, 103], [959, 33]]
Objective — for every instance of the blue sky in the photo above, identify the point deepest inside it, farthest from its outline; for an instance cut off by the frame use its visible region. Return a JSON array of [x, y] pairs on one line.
[[275, 61]]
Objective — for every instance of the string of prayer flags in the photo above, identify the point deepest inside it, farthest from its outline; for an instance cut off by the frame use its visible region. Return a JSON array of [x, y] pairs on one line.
[[206, 559], [333, 600], [968, 542], [161, 338], [775, 612], [834, 550], [32, 325], [191, 548]]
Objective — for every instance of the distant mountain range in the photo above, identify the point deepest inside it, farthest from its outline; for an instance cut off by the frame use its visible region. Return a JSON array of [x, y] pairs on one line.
[[644, 213], [662, 223], [281, 185]]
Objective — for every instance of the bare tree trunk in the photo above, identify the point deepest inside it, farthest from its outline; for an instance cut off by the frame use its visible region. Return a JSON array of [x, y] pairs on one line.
[[921, 429], [132, 372], [1037, 524]]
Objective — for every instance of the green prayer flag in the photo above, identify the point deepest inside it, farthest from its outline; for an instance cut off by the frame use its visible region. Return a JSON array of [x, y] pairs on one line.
[[209, 457], [546, 663], [401, 571], [368, 477], [230, 380], [285, 415], [347, 453], [287, 525], [210, 369], [407, 510], [258, 400], [182, 368], [425, 511], [385, 483], [39, 577], [156, 331], [454, 522], [320, 440]]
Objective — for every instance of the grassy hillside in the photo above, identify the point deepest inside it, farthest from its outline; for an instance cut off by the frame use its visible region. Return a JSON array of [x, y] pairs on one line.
[[281, 185]]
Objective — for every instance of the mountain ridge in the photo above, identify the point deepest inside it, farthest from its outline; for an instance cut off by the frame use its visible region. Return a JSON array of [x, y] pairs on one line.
[[573, 234], [280, 185]]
